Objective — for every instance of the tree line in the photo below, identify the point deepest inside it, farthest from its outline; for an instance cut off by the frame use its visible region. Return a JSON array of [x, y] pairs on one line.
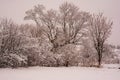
[[64, 37]]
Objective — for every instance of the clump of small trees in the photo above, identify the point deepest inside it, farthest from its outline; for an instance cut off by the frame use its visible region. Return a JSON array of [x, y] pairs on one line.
[[64, 37]]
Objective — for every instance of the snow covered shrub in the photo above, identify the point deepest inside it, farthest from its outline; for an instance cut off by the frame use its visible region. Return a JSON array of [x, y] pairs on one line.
[[111, 54], [68, 56], [64, 56], [9, 61], [47, 59], [13, 59], [10, 43], [88, 60], [31, 45], [31, 55], [88, 57]]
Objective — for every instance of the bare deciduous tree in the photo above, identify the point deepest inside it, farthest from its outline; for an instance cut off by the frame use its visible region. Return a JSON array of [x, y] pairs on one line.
[[73, 22], [63, 27], [100, 29]]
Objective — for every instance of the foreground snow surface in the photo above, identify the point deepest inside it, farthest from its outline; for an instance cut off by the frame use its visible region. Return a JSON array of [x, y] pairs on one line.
[[59, 73]]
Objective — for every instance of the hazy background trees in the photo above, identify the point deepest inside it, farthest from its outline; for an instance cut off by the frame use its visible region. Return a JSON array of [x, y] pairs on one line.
[[63, 37]]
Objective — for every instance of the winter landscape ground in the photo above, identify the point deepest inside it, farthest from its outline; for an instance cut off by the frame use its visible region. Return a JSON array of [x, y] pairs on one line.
[[61, 73]]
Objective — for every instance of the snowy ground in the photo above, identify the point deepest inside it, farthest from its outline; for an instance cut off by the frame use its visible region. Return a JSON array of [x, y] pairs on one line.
[[51, 73]]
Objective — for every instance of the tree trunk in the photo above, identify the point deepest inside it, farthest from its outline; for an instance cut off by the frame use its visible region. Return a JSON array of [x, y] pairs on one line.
[[99, 58]]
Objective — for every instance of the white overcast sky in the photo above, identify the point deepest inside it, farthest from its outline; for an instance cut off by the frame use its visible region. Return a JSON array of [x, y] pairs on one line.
[[15, 9]]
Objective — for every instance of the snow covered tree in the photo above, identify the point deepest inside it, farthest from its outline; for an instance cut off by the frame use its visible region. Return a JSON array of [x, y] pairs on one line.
[[100, 29], [32, 43], [10, 37], [61, 28], [10, 43]]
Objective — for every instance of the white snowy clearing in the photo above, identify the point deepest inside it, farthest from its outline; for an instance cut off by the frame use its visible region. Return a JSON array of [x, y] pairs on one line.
[[60, 73]]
